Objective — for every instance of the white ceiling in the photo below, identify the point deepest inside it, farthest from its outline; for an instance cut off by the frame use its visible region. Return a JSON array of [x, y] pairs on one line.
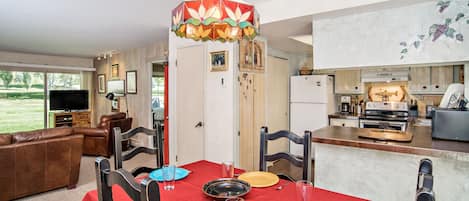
[[85, 28], [278, 34], [82, 27]]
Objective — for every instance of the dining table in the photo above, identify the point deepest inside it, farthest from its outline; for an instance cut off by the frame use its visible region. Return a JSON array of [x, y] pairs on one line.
[[201, 172]]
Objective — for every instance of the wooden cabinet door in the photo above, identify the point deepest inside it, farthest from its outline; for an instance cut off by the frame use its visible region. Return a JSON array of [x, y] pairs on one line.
[[252, 118], [442, 77], [419, 80], [348, 82], [246, 118]]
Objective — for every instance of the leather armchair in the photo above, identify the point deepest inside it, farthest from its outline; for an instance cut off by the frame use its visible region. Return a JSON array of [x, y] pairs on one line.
[[99, 141], [38, 161]]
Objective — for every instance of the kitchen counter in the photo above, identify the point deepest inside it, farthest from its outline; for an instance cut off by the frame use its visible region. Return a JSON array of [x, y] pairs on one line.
[[344, 116], [385, 170], [421, 144]]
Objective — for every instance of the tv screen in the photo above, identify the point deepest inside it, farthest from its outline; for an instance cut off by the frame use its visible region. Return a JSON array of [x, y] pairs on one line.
[[68, 100]]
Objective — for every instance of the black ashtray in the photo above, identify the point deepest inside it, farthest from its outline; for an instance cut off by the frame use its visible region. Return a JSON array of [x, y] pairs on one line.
[[226, 188]]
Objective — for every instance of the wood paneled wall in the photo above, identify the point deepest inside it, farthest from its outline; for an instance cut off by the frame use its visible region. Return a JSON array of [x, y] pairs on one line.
[[139, 104]]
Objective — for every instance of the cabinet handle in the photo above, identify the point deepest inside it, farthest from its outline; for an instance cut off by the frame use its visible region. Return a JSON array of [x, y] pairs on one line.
[[343, 125], [356, 88], [437, 86], [424, 87]]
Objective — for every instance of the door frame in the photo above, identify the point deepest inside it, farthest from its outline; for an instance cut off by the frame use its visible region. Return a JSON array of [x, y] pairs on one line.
[[166, 144]]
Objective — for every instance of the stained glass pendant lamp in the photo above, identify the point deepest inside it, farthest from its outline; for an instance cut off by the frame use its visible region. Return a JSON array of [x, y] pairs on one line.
[[221, 20]]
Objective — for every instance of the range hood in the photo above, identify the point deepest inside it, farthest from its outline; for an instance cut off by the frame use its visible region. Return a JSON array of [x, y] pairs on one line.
[[385, 75]]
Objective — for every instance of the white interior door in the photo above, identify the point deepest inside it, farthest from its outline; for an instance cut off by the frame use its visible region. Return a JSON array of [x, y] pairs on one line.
[[190, 104], [277, 115]]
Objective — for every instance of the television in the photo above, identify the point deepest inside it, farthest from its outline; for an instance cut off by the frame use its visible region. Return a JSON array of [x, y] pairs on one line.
[[68, 100]]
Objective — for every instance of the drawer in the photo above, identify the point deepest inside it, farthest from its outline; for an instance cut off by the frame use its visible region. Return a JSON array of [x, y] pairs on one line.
[[344, 122]]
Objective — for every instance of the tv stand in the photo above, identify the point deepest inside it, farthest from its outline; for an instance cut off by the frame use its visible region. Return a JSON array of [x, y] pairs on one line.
[[70, 119]]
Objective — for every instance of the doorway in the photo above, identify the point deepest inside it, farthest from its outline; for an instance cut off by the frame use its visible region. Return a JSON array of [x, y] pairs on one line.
[[160, 103], [190, 96]]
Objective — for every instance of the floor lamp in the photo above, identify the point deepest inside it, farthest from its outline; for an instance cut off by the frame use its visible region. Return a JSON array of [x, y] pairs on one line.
[[111, 96]]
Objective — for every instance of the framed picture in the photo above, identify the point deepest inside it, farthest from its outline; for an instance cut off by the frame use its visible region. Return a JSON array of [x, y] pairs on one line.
[[115, 105], [117, 87], [101, 83], [131, 77], [252, 56], [115, 71], [219, 61]]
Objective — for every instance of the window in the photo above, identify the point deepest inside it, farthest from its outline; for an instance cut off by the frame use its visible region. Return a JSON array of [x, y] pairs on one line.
[[157, 92], [23, 102]]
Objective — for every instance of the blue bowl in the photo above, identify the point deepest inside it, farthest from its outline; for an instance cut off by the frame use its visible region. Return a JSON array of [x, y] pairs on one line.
[[157, 175]]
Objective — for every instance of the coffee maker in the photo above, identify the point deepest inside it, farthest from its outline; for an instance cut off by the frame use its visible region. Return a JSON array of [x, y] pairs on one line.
[[345, 106]]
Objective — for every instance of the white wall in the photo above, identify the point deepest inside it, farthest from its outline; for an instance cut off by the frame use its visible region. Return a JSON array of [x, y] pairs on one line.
[[220, 115], [373, 38], [295, 61]]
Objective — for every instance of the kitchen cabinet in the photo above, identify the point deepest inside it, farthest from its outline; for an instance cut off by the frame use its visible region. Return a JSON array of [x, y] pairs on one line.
[[420, 80], [442, 77], [344, 122], [348, 82], [430, 80]]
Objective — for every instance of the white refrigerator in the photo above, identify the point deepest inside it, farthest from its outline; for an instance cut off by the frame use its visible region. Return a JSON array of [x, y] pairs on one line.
[[311, 101]]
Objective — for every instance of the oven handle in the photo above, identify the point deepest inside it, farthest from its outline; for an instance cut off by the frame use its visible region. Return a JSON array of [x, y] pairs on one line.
[[363, 122]]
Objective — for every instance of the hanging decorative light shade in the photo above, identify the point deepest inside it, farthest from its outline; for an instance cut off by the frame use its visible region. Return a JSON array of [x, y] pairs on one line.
[[222, 20]]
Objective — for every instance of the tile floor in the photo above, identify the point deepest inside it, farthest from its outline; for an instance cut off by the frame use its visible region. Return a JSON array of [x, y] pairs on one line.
[[87, 179]]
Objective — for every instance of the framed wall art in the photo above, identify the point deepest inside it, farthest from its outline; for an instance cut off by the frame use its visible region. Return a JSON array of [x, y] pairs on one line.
[[252, 56], [101, 83], [219, 61], [131, 77], [115, 105], [115, 71]]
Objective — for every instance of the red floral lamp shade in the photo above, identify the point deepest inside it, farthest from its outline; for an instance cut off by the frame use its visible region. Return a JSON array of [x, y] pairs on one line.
[[222, 20]]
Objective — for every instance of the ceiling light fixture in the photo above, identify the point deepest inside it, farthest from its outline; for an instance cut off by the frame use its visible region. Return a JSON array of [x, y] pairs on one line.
[[222, 20]]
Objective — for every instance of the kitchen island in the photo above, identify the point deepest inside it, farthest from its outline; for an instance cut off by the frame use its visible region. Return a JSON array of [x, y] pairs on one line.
[[385, 170]]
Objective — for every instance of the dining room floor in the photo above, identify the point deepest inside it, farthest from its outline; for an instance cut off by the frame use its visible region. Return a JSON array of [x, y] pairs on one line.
[[87, 179]]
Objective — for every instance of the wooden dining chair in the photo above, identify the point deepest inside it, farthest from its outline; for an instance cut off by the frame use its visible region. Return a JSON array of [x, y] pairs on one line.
[[303, 161], [147, 190], [124, 156]]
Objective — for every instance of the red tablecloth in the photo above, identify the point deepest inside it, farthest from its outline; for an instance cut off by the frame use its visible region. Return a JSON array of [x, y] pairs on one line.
[[190, 188]]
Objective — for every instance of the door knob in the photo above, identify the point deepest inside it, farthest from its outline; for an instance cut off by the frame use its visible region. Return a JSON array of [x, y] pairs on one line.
[[199, 124]]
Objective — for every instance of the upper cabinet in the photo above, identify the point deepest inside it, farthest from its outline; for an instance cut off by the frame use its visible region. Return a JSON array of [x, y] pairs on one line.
[[419, 82], [442, 77], [430, 80], [348, 82]]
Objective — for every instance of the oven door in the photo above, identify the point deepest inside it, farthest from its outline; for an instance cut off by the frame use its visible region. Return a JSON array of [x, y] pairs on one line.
[[386, 125]]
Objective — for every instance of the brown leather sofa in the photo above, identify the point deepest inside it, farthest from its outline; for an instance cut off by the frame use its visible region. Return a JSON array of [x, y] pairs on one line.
[[38, 161], [99, 141]]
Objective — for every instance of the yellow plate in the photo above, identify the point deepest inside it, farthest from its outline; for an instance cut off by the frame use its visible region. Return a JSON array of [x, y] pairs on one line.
[[259, 179]]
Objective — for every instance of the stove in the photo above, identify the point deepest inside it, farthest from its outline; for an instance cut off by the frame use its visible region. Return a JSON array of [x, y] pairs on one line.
[[386, 116]]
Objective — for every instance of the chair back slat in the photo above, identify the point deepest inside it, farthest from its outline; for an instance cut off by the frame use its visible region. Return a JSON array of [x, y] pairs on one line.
[[285, 134], [147, 190], [157, 141], [287, 156], [137, 150], [303, 161]]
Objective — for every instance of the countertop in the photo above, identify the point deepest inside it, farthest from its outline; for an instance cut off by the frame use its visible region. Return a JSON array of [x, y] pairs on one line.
[[339, 115], [421, 144]]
